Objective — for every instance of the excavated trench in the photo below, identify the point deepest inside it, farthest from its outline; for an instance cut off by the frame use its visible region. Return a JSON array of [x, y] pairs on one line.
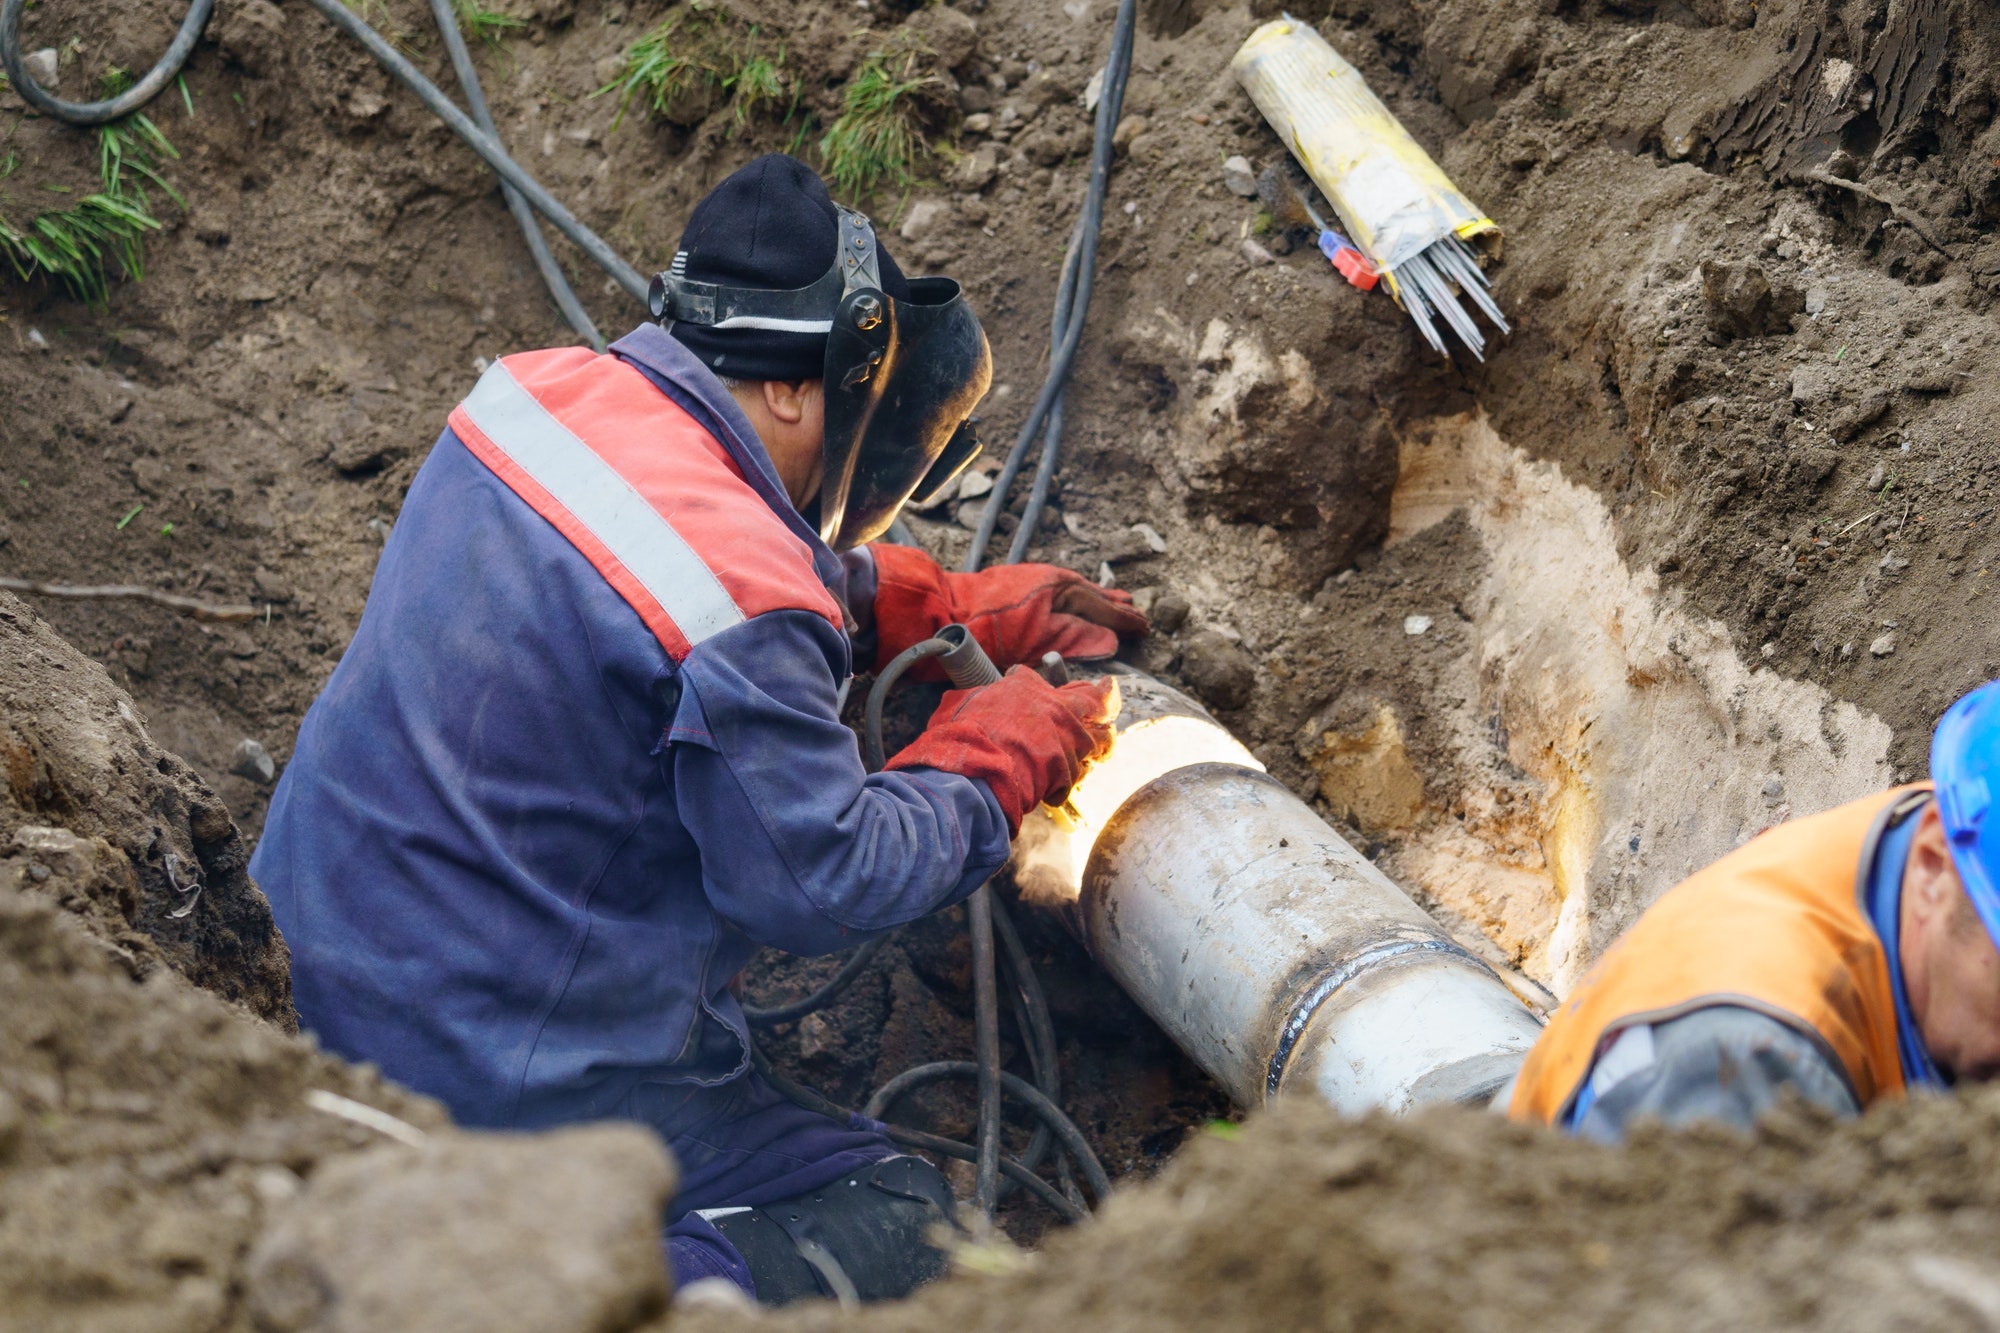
[[1648, 745], [1705, 544]]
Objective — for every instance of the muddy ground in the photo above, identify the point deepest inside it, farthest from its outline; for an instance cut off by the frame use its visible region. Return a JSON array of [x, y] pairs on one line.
[[1705, 543]]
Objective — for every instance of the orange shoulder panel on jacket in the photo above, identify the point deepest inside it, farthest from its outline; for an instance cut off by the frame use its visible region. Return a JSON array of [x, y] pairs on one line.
[[681, 472], [1778, 923]]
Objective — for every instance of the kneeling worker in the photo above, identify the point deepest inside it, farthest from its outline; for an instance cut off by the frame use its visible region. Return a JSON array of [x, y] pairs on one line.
[[584, 755], [1848, 956]]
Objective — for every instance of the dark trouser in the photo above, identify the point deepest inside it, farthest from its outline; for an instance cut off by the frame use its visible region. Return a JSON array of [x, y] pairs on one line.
[[745, 1145]]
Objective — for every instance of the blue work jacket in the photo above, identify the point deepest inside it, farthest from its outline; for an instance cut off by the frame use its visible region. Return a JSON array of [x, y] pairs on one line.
[[520, 851]]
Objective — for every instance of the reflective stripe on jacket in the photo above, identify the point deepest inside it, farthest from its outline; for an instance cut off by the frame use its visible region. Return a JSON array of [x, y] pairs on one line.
[[1778, 926], [583, 756]]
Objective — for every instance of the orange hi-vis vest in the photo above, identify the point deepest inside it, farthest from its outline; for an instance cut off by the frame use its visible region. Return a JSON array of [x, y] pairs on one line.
[[1778, 926]]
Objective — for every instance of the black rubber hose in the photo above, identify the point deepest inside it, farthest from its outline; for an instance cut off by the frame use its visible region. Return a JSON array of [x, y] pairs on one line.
[[1111, 101], [1019, 1088], [485, 145], [986, 1048], [531, 231], [917, 1138], [872, 718], [96, 113], [857, 963]]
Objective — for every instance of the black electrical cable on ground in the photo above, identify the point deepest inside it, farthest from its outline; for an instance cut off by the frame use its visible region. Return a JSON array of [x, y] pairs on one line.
[[96, 113], [389, 57], [531, 231], [1072, 305]]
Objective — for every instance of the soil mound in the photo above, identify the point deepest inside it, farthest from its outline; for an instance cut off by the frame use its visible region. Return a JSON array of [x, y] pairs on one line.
[[1458, 1219]]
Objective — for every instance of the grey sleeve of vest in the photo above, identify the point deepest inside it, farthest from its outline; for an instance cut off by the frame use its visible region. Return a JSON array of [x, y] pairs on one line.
[[1722, 1063]]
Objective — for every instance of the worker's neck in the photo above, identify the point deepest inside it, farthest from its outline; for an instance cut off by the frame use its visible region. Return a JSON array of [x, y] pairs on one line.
[[794, 442]]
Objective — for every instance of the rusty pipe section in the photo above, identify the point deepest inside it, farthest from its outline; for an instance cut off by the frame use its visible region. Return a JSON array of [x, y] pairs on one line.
[[1273, 953]]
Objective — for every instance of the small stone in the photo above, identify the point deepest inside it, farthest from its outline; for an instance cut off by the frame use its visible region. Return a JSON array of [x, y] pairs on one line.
[[1415, 625], [979, 122], [1769, 650], [1154, 541], [1815, 301], [1219, 672], [37, 341], [817, 1037], [1107, 577], [253, 761], [975, 484], [1882, 646], [968, 514], [976, 170], [1240, 177], [1847, 649], [1129, 129], [270, 587], [924, 218], [1891, 563], [1256, 253], [43, 68], [1879, 477], [1170, 612], [1774, 790]]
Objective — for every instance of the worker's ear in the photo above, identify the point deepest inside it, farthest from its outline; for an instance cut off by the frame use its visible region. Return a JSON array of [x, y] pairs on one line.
[[790, 401], [1930, 879]]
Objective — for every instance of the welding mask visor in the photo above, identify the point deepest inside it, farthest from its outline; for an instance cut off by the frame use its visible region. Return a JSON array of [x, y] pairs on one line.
[[901, 376]]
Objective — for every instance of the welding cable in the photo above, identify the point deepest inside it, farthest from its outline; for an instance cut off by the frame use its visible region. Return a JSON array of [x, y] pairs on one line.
[[986, 1048], [857, 963], [872, 719], [800, 1094], [96, 113], [531, 231], [1023, 1091], [979, 925], [1072, 304]]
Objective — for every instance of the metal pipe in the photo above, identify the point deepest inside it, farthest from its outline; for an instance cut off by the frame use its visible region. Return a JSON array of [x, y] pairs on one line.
[[1271, 951]]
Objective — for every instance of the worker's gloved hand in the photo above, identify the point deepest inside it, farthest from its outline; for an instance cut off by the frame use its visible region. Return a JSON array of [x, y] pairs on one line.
[[1017, 612], [1026, 739]]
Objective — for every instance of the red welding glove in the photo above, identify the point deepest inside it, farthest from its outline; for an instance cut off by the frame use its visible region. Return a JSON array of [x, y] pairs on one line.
[[1026, 739], [1017, 612]]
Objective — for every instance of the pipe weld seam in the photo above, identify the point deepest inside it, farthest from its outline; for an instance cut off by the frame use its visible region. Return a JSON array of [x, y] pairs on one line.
[[1338, 975]]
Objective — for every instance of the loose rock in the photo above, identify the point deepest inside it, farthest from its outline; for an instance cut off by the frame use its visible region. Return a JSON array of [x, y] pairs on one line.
[[1882, 646], [253, 761], [1240, 177], [43, 68], [1219, 672], [1170, 612]]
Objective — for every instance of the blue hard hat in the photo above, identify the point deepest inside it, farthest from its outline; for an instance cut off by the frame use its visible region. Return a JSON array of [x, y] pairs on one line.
[[1965, 766]]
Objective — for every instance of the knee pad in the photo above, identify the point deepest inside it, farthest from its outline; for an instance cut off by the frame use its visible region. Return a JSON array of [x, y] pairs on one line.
[[864, 1237]]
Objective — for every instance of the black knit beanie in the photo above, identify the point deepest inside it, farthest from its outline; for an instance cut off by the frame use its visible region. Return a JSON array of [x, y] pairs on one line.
[[770, 225]]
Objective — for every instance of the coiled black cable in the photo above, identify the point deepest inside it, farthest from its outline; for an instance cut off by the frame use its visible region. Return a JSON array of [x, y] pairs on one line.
[[114, 108], [479, 139]]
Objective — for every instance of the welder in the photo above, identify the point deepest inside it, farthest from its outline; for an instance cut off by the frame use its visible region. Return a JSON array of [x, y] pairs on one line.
[[584, 755], [1844, 958]]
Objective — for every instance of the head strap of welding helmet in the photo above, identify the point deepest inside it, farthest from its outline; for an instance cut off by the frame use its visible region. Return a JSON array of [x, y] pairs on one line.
[[901, 377]]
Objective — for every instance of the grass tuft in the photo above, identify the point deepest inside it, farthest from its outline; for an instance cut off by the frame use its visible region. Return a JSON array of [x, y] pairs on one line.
[[701, 55], [879, 135], [487, 25], [77, 245]]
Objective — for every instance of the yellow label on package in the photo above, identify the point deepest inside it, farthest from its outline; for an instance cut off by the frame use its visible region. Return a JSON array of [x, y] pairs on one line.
[[1393, 199]]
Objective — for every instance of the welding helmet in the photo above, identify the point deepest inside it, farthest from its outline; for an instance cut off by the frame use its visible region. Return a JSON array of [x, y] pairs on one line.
[[901, 374], [1965, 767]]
